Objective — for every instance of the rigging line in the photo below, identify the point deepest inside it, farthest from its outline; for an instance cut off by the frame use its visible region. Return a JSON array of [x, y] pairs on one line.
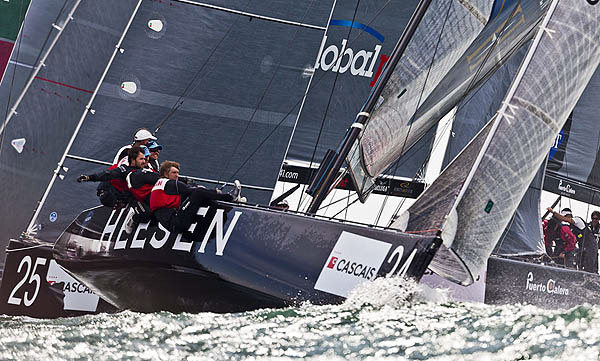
[[262, 97], [335, 202], [21, 33], [313, 85], [312, 158], [251, 15], [181, 98], [348, 206]]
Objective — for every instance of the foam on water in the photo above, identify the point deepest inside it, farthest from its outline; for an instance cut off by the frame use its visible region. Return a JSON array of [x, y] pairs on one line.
[[383, 320]]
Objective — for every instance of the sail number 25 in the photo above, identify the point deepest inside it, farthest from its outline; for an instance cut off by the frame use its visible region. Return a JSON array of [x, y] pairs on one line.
[[33, 277]]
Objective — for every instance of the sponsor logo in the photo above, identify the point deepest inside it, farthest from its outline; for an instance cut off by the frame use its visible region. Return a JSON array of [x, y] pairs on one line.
[[342, 58], [551, 286], [78, 297], [354, 259], [565, 188], [332, 262], [114, 233]]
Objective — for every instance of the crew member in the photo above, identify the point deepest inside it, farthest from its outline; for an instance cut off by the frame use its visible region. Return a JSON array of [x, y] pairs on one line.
[[154, 149], [175, 204], [113, 187], [578, 229], [141, 137], [564, 241]]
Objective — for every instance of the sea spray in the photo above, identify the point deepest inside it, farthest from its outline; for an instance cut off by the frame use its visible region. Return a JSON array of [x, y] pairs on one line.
[[395, 292]]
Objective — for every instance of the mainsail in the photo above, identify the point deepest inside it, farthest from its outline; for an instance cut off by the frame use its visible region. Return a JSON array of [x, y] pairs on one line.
[[56, 98], [455, 49], [227, 80], [559, 64]]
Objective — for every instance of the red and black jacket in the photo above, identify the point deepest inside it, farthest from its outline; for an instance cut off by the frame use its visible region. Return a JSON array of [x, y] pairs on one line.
[[140, 183], [115, 174], [168, 194]]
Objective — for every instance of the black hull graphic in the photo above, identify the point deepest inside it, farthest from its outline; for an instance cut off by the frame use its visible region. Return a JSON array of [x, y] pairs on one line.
[[34, 285], [510, 281], [237, 258]]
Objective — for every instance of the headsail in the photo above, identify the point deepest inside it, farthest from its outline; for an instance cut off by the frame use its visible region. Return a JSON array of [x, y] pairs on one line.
[[543, 94], [455, 49]]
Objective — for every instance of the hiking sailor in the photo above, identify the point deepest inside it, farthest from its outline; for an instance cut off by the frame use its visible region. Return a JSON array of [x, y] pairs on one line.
[[141, 137], [112, 190], [175, 204]]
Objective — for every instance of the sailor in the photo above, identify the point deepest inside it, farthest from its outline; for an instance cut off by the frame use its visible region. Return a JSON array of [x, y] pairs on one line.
[[175, 204], [140, 179], [564, 241], [141, 137], [112, 190], [576, 230], [154, 149]]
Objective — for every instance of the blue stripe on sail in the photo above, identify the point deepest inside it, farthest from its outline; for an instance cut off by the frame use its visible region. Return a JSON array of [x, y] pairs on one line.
[[360, 26]]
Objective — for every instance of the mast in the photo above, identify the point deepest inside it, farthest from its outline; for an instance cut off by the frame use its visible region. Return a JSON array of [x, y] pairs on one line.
[[323, 185]]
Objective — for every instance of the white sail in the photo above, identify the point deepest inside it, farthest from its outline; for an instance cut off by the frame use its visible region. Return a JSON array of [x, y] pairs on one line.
[[559, 64], [439, 42]]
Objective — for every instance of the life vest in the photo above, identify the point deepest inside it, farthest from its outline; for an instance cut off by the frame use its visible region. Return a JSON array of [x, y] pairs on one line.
[[140, 193], [119, 184], [159, 199]]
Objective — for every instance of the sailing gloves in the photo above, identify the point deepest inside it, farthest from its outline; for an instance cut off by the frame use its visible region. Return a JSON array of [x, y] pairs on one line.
[[83, 178]]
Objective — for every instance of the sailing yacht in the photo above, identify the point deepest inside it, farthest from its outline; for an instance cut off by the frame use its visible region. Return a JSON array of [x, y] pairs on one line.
[[240, 257]]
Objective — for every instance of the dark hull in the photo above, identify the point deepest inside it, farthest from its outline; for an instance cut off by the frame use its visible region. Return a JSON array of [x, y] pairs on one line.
[[34, 285], [237, 258], [510, 281]]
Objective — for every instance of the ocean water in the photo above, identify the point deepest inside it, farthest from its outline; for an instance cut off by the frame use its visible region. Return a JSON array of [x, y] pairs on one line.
[[382, 321]]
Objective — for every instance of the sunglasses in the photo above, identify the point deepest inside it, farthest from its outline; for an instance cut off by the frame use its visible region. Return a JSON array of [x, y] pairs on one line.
[[154, 150], [595, 218]]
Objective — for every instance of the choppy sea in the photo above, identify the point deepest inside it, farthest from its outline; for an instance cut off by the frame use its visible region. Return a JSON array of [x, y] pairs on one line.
[[384, 320]]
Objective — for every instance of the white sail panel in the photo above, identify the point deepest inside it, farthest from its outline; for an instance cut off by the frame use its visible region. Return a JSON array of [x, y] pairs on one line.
[[557, 68], [439, 42]]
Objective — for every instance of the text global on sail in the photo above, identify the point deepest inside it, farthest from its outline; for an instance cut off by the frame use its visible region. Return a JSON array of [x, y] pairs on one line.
[[343, 58]]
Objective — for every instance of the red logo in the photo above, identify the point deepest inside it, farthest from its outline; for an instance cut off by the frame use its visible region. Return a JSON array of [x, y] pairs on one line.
[[332, 262]]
